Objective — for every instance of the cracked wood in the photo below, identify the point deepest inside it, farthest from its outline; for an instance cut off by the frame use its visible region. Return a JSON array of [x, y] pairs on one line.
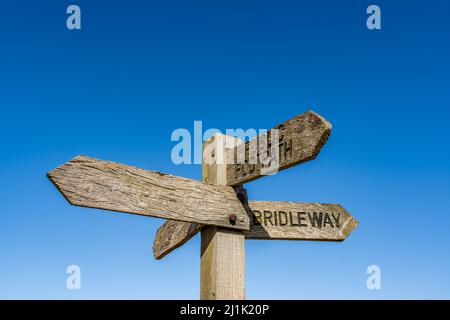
[[299, 221], [271, 221], [300, 139], [93, 183]]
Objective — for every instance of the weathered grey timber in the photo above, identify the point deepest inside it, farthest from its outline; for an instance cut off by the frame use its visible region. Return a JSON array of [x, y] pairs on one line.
[[93, 183]]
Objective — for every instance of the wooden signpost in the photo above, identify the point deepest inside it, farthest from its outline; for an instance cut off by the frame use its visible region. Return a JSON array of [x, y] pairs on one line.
[[218, 206]]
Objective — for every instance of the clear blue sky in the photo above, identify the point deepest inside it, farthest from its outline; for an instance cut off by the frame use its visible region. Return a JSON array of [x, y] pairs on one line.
[[140, 69]]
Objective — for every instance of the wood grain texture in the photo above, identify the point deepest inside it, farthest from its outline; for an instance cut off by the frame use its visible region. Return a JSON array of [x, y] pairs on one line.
[[222, 263], [286, 227], [300, 139], [93, 183], [171, 235], [299, 221]]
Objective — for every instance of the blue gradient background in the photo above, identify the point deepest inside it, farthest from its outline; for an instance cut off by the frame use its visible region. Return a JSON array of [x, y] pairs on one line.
[[140, 69]]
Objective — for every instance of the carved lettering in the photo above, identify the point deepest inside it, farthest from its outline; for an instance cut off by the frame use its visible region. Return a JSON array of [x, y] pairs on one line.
[[248, 164], [268, 217], [326, 220], [257, 215], [315, 219], [283, 220], [299, 219], [336, 219]]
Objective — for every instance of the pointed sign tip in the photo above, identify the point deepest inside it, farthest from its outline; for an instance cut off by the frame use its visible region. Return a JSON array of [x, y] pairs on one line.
[[52, 176], [351, 225], [328, 125]]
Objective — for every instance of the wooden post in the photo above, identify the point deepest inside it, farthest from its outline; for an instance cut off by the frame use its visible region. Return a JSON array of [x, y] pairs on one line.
[[222, 266]]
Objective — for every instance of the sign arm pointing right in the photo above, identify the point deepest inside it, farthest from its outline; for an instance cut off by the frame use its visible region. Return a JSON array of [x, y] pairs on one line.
[[271, 221]]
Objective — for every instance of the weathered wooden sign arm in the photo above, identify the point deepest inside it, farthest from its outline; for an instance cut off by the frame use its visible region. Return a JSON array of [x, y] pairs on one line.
[[93, 183], [271, 221], [299, 221], [299, 139]]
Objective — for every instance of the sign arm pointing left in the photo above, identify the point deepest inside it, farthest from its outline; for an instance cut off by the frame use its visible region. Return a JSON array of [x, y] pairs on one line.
[[93, 183]]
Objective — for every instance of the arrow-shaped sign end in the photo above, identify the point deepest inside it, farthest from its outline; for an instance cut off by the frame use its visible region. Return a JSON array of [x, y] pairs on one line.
[[321, 134], [327, 125], [58, 175], [349, 225], [171, 235]]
